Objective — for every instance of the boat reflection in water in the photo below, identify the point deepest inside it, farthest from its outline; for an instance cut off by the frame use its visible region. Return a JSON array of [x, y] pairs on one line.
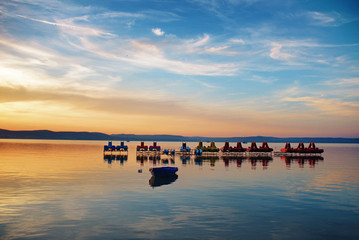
[[236, 159], [264, 160], [167, 160], [211, 159], [302, 160], [253, 160], [141, 159], [110, 158], [185, 159], [157, 181], [163, 176]]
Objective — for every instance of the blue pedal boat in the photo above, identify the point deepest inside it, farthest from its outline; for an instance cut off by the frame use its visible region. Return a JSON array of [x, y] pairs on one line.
[[163, 171]]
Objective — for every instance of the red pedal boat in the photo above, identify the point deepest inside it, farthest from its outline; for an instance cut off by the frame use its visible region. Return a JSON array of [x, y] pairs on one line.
[[301, 149]]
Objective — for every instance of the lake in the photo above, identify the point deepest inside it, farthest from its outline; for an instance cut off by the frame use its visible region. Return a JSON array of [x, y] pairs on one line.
[[69, 190]]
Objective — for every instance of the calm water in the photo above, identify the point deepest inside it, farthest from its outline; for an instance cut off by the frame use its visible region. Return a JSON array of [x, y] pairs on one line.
[[67, 190]]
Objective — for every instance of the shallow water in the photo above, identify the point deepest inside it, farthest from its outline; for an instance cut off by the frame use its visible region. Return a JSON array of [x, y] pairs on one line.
[[67, 190]]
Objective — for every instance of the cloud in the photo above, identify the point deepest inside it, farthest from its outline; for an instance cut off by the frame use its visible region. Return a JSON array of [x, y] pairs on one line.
[[276, 53], [332, 19], [321, 18], [26, 49], [157, 31], [344, 82], [68, 26], [220, 51], [114, 14], [216, 49], [207, 85], [35, 67], [334, 107], [261, 79], [204, 45], [135, 53], [152, 56], [201, 41], [148, 55], [235, 40]]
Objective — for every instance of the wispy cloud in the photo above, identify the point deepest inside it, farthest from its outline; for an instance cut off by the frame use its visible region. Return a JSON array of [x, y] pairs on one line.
[[236, 40], [261, 79], [332, 19], [148, 55], [207, 85], [335, 107], [203, 45], [68, 26], [276, 53], [321, 18], [344, 82], [223, 50], [119, 14], [200, 42]]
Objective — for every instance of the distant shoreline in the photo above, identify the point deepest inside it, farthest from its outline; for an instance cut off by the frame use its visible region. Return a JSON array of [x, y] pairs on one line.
[[96, 136]]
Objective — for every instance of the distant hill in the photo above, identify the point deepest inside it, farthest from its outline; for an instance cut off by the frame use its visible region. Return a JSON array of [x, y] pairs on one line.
[[46, 134]]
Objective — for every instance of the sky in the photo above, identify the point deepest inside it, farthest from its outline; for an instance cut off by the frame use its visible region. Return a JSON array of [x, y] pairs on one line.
[[220, 68]]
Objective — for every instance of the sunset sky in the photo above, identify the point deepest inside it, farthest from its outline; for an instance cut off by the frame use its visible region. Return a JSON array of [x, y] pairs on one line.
[[219, 68]]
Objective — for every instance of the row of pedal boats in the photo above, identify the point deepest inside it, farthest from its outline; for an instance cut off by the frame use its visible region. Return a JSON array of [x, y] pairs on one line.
[[164, 173], [200, 149]]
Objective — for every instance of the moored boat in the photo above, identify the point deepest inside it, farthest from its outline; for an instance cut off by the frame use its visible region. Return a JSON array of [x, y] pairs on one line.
[[238, 148], [155, 147], [264, 148], [185, 148], [110, 147], [301, 149], [163, 171], [211, 148], [142, 147]]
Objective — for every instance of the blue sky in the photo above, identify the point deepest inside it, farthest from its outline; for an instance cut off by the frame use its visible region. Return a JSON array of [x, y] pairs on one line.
[[210, 68]]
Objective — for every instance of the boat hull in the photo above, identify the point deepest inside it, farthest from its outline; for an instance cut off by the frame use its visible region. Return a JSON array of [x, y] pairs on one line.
[[163, 171]]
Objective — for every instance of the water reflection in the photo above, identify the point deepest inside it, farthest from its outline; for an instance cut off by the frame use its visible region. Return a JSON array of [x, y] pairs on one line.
[[264, 160], [155, 159], [185, 159], [236, 159], [167, 160], [120, 158], [211, 159], [302, 160], [157, 181]]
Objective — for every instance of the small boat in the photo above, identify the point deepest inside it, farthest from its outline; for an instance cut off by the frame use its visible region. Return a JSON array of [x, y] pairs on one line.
[[184, 148], [211, 148], [142, 147], [110, 147], [198, 152], [238, 148], [262, 149], [163, 171], [154, 147], [168, 151], [301, 149]]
